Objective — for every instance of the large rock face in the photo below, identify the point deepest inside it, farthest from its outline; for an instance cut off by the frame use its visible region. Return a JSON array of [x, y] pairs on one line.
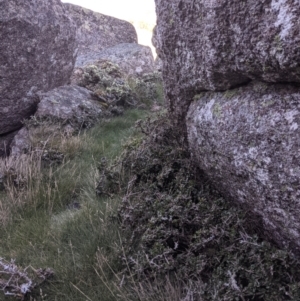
[[246, 139], [37, 46], [96, 32], [216, 45]]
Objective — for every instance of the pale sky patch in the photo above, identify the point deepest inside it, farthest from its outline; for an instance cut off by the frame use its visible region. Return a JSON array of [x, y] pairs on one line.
[[141, 13]]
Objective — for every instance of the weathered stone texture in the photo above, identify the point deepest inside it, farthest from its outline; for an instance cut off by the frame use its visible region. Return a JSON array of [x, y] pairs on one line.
[[219, 44], [158, 64], [70, 105], [37, 46], [96, 31], [247, 141], [133, 59]]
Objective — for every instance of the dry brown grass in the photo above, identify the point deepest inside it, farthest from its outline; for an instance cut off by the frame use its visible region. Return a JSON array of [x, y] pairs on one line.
[[27, 177], [21, 179], [55, 137]]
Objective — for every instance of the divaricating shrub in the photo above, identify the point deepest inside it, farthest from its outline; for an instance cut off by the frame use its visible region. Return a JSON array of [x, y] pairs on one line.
[[176, 225]]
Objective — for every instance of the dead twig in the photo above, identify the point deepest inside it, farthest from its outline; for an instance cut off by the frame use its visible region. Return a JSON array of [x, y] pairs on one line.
[[17, 282]]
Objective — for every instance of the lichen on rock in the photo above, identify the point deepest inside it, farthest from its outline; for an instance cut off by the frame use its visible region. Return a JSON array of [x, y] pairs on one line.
[[246, 141], [217, 45], [244, 133]]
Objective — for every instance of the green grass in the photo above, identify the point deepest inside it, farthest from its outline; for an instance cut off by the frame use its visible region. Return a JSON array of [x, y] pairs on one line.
[[219, 253], [42, 231]]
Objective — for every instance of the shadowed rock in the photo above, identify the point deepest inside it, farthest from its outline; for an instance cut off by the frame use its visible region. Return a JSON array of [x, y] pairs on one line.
[[37, 47]]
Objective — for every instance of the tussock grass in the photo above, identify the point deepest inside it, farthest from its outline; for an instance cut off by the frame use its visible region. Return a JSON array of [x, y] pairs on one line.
[[49, 136], [154, 233], [130, 289], [50, 215], [21, 178]]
